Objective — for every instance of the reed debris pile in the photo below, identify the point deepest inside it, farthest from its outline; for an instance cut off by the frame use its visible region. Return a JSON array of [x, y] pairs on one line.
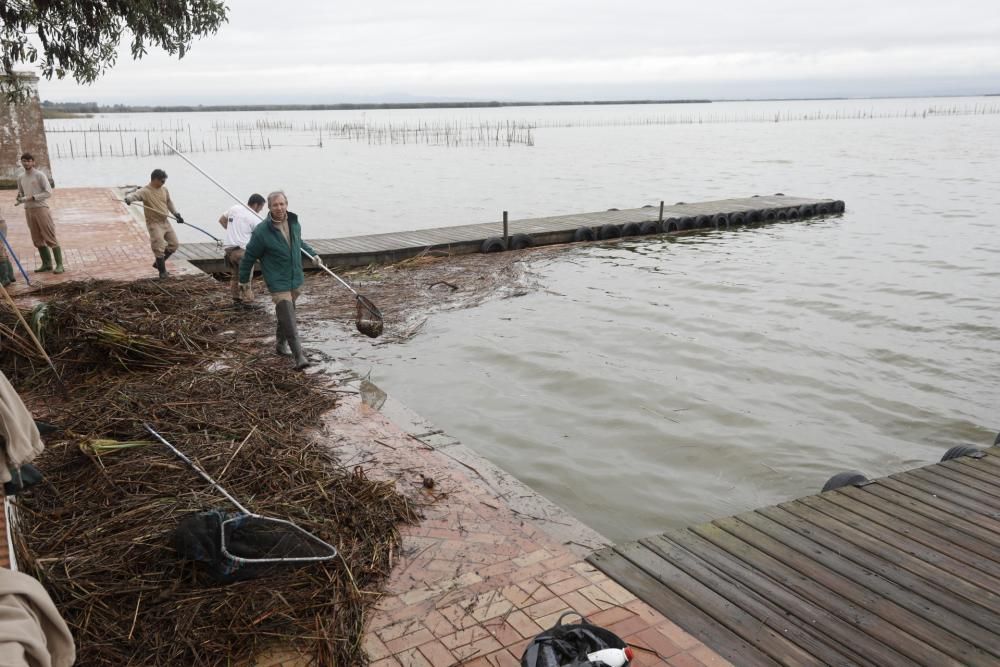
[[97, 532]]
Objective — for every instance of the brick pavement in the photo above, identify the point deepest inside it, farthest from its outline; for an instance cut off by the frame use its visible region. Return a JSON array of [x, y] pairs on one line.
[[490, 565], [99, 236]]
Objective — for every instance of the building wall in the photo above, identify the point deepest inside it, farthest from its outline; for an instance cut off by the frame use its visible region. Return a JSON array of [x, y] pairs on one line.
[[22, 130]]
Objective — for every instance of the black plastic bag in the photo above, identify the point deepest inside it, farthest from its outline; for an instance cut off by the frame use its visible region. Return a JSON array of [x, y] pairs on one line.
[[568, 645]]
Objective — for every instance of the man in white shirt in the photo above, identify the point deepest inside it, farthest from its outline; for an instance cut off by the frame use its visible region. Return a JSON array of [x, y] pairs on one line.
[[239, 222]]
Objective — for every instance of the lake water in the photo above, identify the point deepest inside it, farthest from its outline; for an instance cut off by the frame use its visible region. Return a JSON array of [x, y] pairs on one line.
[[658, 382]]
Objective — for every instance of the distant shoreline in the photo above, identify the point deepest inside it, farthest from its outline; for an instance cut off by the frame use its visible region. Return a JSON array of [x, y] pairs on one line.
[[91, 107]]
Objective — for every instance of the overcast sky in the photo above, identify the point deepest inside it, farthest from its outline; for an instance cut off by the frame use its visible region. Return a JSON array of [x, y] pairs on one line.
[[315, 51]]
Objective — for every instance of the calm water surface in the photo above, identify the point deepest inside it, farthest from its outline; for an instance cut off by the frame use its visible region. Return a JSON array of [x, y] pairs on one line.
[[658, 382]]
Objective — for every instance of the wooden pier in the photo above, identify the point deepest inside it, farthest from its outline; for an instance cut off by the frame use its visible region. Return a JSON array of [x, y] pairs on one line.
[[903, 570], [462, 239]]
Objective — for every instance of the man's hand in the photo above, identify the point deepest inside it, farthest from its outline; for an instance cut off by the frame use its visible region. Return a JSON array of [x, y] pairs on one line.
[[179, 218], [245, 292], [318, 262]]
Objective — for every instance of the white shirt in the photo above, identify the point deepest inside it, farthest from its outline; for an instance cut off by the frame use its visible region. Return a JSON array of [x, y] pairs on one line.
[[241, 224]]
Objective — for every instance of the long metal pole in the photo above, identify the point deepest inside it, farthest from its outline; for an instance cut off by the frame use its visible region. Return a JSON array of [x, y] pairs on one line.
[[16, 260], [247, 207]]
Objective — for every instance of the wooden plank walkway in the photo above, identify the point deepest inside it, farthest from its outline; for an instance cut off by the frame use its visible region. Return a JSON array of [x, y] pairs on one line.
[[461, 239], [903, 570]]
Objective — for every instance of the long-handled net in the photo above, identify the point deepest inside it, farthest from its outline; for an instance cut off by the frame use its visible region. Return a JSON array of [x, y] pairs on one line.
[[368, 318], [242, 545]]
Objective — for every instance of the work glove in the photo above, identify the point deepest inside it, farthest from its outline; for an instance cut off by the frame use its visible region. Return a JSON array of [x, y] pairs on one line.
[[179, 218], [318, 262], [245, 292]]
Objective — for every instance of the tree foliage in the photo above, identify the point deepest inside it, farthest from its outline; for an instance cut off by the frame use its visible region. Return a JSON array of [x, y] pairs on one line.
[[81, 37]]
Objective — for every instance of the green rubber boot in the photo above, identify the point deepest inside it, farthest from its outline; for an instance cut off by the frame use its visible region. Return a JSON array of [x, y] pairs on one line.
[[46, 256], [6, 272], [57, 251]]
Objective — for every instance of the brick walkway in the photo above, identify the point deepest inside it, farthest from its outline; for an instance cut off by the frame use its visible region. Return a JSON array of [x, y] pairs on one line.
[[490, 566], [99, 236]]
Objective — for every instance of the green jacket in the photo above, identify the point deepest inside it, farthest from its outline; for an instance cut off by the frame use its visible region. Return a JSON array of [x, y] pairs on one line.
[[280, 262]]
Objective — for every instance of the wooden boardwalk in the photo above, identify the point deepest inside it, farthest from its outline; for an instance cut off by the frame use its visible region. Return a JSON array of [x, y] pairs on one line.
[[902, 570], [393, 247]]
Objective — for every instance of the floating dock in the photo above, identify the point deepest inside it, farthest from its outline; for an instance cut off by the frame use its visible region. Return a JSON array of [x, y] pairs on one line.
[[489, 236], [903, 570]]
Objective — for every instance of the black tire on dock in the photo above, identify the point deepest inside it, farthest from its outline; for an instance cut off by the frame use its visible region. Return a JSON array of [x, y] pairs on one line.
[[671, 225], [769, 215], [493, 244], [736, 219], [824, 209], [807, 210], [650, 227], [838, 206], [781, 215], [846, 478], [521, 241], [609, 232], [702, 222], [720, 221], [958, 451], [792, 213], [630, 229], [754, 217], [583, 234]]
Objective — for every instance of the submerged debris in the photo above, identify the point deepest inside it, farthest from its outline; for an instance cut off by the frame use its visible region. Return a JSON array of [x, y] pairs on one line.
[[98, 532]]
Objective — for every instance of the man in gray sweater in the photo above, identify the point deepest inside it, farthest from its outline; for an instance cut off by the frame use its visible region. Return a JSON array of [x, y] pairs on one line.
[[33, 190]]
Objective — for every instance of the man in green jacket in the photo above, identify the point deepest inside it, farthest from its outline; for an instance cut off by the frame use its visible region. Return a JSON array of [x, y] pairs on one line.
[[277, 243]]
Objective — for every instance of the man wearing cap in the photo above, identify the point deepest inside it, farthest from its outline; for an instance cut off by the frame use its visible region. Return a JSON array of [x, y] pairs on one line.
[[158, 207], [239, 222]]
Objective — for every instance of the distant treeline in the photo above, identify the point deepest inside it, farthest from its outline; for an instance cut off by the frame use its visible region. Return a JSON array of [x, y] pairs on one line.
[[93, 107]]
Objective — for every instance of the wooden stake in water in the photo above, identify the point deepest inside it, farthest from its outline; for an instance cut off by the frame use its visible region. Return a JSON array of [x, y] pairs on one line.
[[505, 239], [661, 211]]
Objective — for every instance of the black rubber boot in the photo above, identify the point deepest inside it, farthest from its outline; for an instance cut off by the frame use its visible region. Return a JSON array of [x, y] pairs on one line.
[[285, 312], [161, 266], [281, 346], [46, 256], [57, 252], [166, 256]]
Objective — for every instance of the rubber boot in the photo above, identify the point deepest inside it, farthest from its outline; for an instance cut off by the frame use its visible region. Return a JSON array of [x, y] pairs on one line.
[[57, 252], [166, 256], [161, 266], [46, 256], [281, 347], [6, 272], [285, 312]]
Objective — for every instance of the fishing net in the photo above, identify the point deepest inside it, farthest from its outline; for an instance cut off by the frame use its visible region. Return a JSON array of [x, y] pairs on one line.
[[236, 547], [368, 317]]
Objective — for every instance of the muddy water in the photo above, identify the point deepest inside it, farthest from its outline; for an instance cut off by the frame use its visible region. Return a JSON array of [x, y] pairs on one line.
[[658, 382]]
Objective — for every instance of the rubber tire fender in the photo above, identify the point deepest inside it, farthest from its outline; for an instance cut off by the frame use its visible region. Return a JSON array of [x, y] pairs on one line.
[[846, 478], [754, 217], [781, 215], [807, 210], [493, 244], [584, 234], [769, 215], [720, 220], [521, 241], [671, 225], [824, 209], [687, 223], [702, 222], [958, 451], [609, 232], [792, 213], [838, 206], [649, 227], [631, 229], [737, 218]]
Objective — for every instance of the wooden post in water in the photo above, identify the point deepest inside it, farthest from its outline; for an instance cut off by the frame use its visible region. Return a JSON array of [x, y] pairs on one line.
[[506, 241], [661, 211]]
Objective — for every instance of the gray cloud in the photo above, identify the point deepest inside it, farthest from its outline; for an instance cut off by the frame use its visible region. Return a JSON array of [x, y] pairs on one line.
[[317, 51]]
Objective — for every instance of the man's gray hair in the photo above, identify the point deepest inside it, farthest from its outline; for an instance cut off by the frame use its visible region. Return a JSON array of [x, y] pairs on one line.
[[276, 193]]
